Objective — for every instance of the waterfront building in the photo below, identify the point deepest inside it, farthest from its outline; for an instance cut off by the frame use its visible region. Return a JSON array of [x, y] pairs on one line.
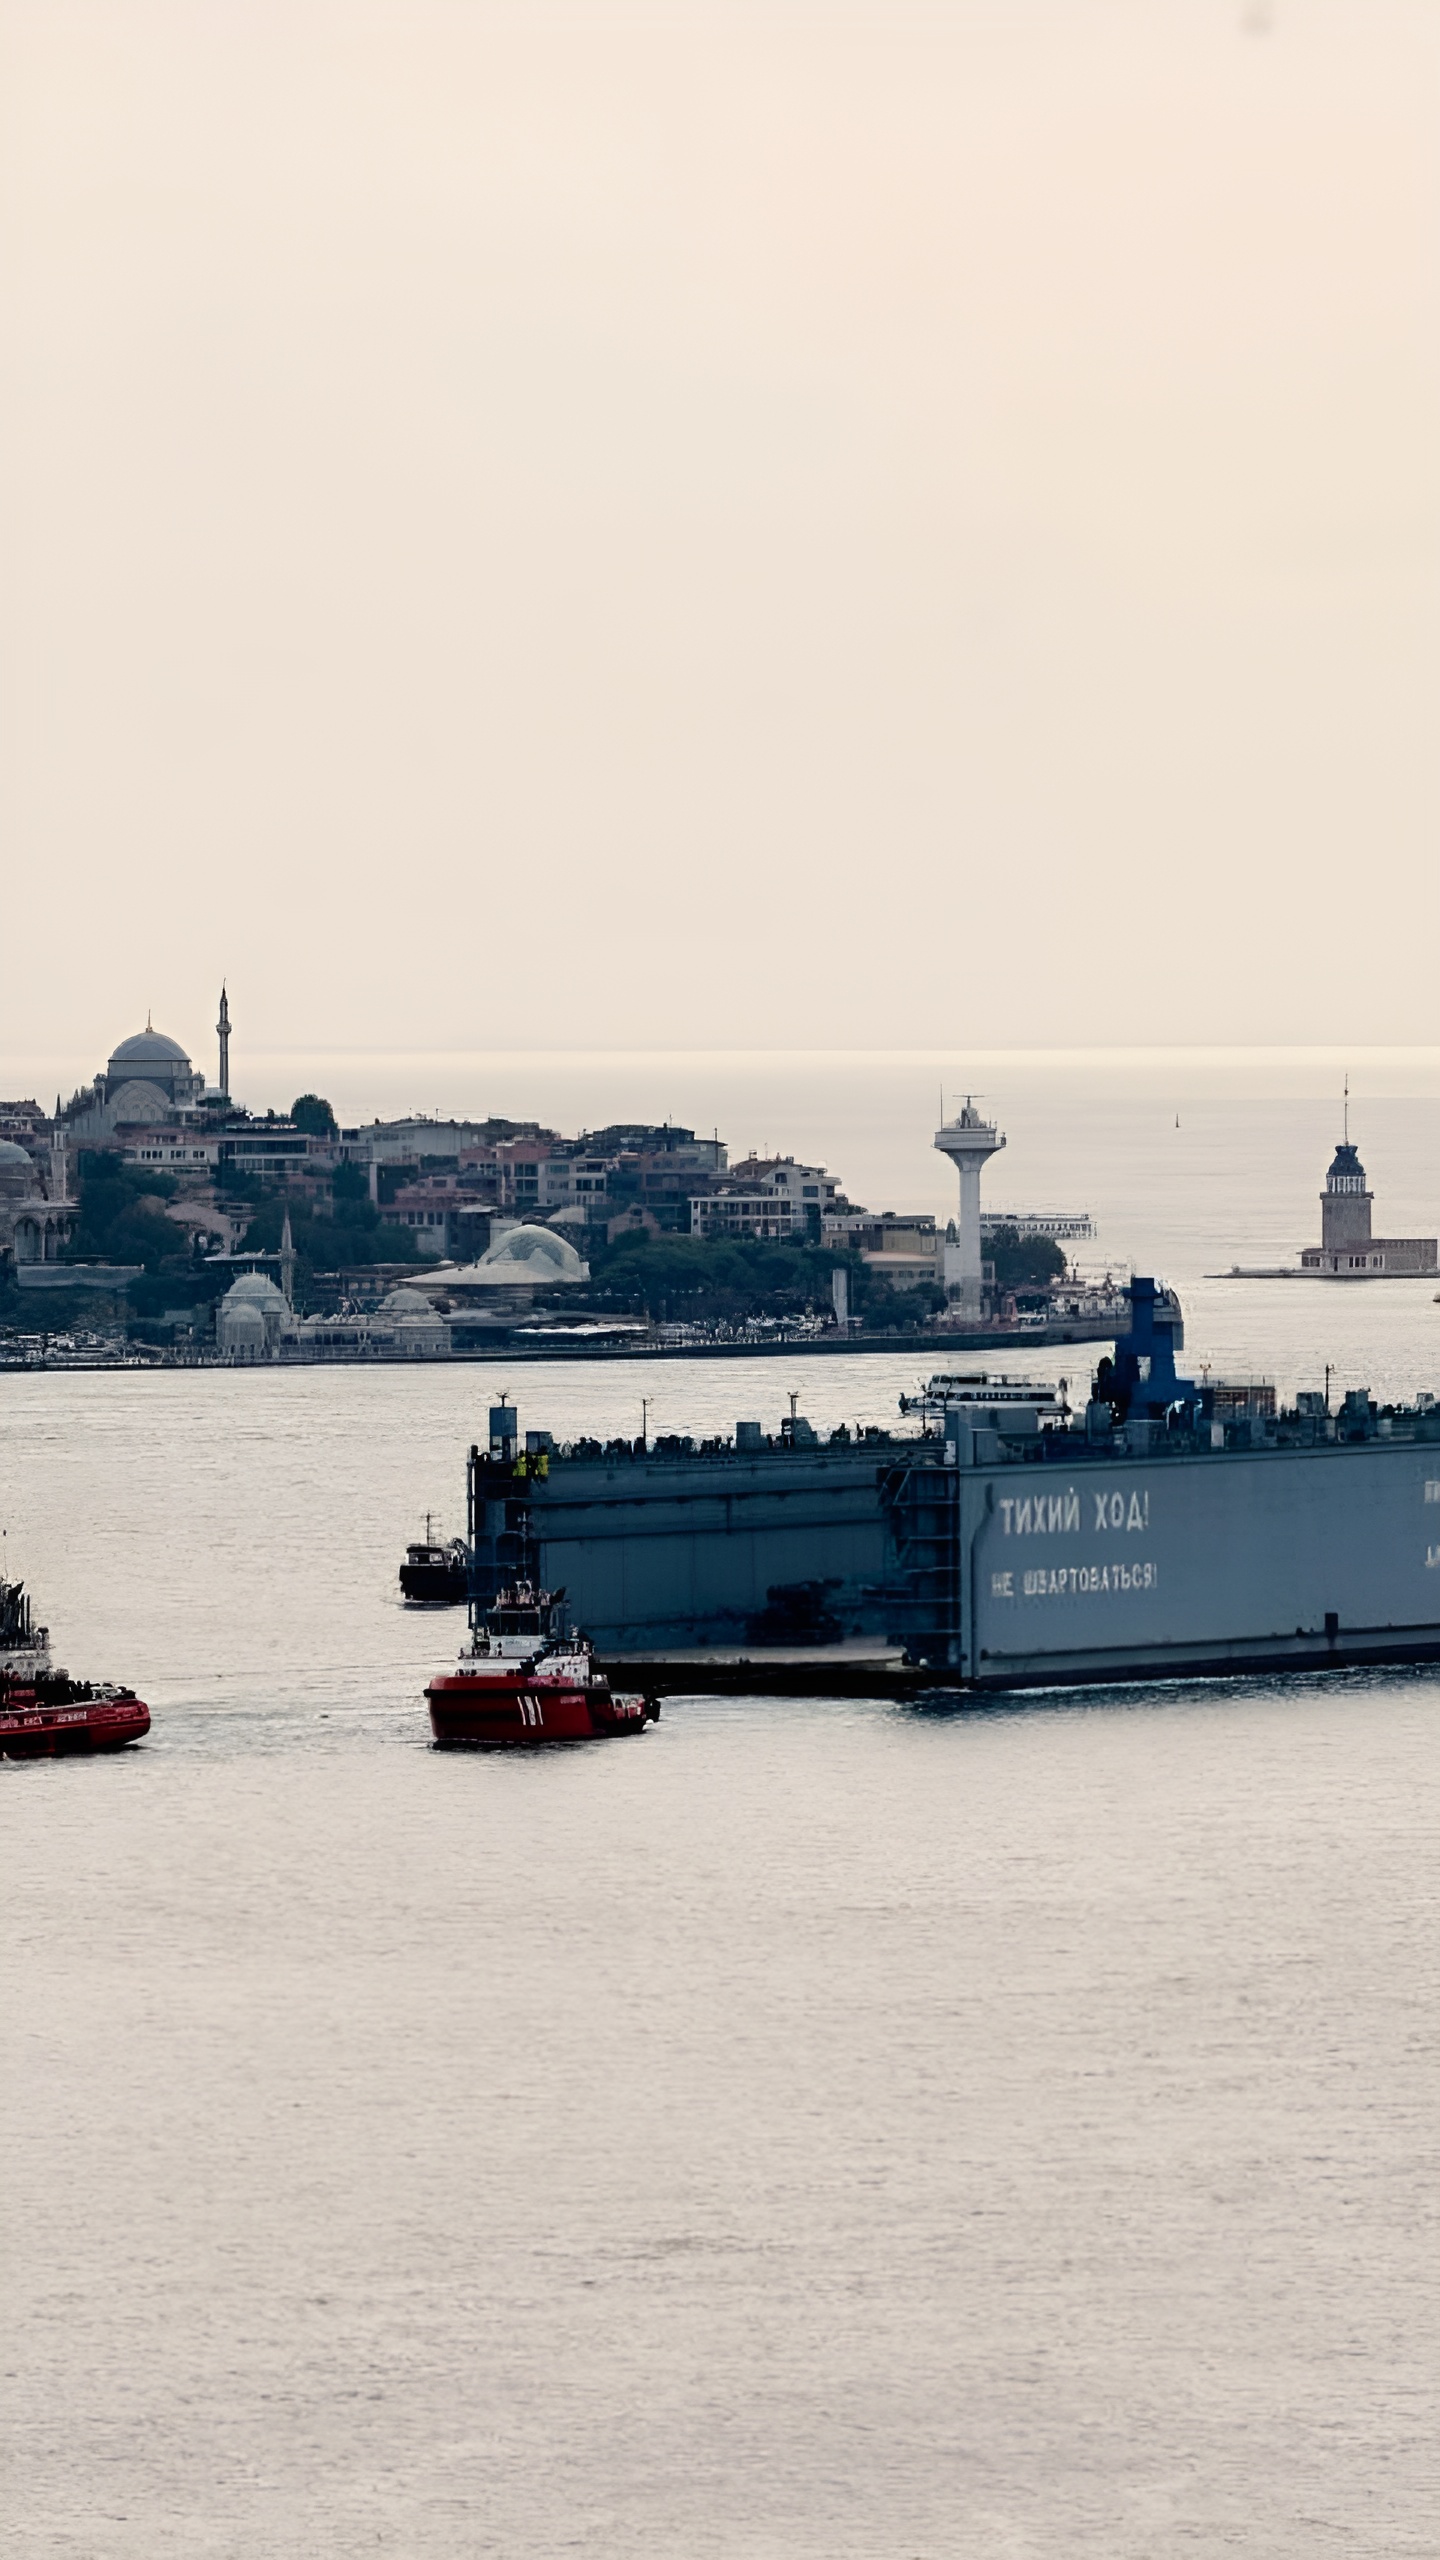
[[252, 1319], [1062, 1226], [519, 1260], [405, 1326], [254, 1322]]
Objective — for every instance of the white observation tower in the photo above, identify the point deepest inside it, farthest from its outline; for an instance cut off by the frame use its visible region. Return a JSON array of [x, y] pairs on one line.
[[969, 1141]]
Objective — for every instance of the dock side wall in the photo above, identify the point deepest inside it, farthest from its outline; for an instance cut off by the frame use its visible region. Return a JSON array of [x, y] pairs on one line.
[[1237, 1558], [657, 1552]]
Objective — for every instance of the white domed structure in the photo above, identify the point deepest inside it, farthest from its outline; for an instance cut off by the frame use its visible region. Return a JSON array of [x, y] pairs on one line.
[[150, 1055], [251, 1300], [414, 1327], [532, 1257], [406, 1302], [137, 1105], [149, 1078], [32, 1227], [17, 1172], [240, 1331], [150, 1058]]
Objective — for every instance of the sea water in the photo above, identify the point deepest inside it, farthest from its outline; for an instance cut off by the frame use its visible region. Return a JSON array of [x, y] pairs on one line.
[[800, 2131]]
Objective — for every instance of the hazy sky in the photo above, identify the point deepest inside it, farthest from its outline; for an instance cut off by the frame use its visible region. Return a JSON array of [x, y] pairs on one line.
[[705, 526]]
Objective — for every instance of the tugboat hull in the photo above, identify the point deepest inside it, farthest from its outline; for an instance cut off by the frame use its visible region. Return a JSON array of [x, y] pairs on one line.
[[490, 1716], [51, 1733]]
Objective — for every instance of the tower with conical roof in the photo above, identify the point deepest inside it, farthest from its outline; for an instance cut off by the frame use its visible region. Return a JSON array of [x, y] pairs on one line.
[[969, 1140], [1346, 1203], [223, 1029]]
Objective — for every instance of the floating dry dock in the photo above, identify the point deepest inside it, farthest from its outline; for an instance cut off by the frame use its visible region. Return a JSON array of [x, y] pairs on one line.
[[1169, 1531]]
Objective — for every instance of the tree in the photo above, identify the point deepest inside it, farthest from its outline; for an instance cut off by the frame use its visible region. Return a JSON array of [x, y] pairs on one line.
[[312, 1113], [353, 1234], [702, 1279], [122, 1215], [1024, 1262]]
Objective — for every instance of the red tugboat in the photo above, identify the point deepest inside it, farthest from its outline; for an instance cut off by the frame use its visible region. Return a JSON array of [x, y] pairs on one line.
[[43, 1712], [524, 1679]]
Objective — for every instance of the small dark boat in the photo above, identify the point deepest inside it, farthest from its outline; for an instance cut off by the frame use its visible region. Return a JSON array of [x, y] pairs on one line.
[[43, 1712], [436, 1573]]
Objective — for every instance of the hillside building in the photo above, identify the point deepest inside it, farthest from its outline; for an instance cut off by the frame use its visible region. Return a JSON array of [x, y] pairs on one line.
[[769, 1199]]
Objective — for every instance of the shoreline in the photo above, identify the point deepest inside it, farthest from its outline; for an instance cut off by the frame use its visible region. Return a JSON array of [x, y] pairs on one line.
[[881, 1345]]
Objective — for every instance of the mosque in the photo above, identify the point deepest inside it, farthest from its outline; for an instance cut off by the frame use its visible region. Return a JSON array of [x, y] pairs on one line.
[[35, 1221], [255, 1321], [148, 1080]]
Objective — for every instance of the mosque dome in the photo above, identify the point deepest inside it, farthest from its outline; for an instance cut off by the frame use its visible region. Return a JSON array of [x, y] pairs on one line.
[[148, 1048], [241, 1328], [254, 1286], [252, 1295], [407, 1302], [17, 1171], [137, 1100], [530, 1257], [150, 1057]]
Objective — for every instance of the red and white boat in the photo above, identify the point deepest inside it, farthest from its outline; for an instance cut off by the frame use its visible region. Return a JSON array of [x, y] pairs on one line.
[[43, 1712], [525, 1679]]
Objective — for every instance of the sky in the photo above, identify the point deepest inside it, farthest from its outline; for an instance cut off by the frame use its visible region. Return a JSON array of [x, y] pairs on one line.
[[718, 528]]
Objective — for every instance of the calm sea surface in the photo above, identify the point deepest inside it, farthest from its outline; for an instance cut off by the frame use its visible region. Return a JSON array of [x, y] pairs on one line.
[[803, 2130]]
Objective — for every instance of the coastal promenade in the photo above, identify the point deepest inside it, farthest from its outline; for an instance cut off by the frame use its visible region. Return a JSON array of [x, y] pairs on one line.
[[937, 1346]]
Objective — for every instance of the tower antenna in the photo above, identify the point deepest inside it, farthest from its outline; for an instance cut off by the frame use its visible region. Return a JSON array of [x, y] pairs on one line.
[[1347, 1106]]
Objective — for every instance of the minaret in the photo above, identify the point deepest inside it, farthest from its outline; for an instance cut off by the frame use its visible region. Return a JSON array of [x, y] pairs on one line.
[[287, 1262], [969, 1142], [223, 1028], [59, 1171]]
